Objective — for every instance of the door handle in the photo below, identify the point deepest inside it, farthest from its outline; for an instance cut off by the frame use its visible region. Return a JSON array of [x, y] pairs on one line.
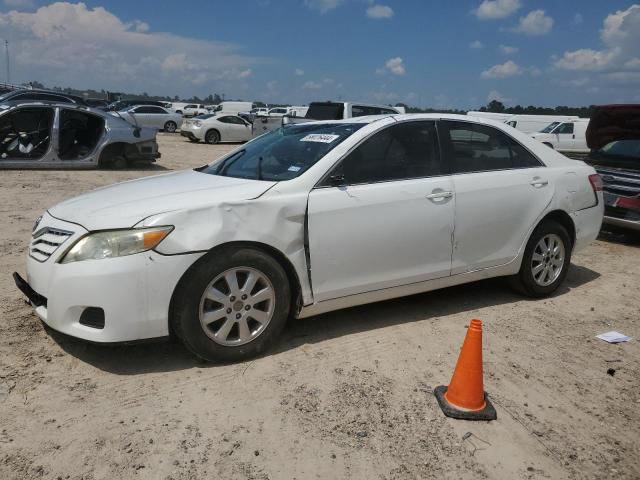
[[439, 195], [537, 183]]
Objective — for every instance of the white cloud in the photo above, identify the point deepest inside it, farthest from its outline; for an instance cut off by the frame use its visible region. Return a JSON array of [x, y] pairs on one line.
[[311, 85], [633, 63], [298, 72], [495, 95], [504, 70], [379, 11], [394, 65], [586, 59], [631, 78], [476, 45], [507, 50], [72, 45], [534, 23], [496, 9], [323, 6]]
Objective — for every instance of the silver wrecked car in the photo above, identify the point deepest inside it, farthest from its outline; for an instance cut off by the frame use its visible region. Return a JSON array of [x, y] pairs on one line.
[[56, 135]]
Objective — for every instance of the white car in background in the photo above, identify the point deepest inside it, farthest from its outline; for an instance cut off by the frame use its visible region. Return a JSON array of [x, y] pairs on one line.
[[307, 219], [212, 128], [278, 112], [152, 116], [194, 109]]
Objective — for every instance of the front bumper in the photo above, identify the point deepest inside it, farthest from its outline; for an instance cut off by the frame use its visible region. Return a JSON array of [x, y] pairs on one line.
[[134, 292]]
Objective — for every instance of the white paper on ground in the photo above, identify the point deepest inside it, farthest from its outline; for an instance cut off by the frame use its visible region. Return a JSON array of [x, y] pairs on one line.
[[613, 337]]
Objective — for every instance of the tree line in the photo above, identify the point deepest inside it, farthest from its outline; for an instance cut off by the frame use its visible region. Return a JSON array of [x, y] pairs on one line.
[[494, 106]]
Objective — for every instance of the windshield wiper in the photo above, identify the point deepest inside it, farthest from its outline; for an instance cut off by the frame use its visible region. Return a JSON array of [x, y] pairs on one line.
[[226, 163]]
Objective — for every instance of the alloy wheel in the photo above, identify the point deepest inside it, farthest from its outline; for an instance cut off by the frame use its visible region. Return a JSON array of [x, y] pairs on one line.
[[547, 260], [237, 306]]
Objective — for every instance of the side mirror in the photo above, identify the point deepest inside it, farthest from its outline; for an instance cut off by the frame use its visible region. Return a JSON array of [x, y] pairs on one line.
[[131, 111], [337, 180]]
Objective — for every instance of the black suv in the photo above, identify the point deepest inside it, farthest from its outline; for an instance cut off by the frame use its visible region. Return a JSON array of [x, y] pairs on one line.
[[613, 136]]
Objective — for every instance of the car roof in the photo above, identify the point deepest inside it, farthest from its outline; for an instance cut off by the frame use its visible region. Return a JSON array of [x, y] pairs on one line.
[[411, 116], [46, 103]]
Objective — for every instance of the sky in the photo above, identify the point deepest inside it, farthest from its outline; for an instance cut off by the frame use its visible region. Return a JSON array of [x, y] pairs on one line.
[[427, 53]]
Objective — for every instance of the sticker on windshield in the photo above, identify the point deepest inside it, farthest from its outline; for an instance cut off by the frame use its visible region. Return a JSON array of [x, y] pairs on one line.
[[319, 137], [293, 168]]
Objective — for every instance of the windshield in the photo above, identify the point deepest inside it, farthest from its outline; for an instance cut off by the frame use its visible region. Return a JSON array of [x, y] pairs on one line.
[[284, 153], [549, 127]]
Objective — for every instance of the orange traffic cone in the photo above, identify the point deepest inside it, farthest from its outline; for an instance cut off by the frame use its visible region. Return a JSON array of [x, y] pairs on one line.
[[465, 397]]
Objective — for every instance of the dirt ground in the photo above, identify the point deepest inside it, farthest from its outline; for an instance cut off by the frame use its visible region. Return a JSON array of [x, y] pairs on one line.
[[345, 395]]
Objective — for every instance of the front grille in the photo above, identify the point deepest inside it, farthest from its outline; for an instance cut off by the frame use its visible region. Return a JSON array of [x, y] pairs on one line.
[[622, 183], [46, 241]]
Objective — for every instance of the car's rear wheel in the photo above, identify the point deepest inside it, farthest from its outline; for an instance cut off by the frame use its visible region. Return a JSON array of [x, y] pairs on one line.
[[546, 260], [170, 127], [231, 305], [212, 136], [119, 162]]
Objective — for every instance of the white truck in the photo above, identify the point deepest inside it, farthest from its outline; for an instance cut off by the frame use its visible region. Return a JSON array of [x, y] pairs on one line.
[[536, 123], [233, 108], [569, 136], [194, 109], [322, 111]]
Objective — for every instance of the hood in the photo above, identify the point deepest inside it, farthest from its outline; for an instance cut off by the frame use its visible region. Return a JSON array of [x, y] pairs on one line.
[[125, 204]]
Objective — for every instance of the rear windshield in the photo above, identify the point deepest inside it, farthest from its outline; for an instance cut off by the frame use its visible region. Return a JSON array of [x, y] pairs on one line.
[[325, 111], [622, 148], [282, 154]]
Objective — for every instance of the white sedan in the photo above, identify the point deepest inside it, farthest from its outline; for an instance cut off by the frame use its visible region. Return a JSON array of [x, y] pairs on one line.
[[151, 116], [307, 219], [217, 128]]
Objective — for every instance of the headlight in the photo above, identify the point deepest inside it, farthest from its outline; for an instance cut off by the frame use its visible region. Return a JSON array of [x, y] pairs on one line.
[[115, 243], [197, 123]]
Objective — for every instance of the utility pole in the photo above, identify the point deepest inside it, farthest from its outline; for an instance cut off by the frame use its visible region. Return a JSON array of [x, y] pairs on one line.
[[6, 47]]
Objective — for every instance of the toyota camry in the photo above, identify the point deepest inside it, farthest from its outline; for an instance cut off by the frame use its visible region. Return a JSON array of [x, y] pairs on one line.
[[310, 218]]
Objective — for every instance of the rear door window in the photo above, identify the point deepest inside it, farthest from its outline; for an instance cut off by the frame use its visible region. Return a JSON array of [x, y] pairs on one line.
[[471, 147]]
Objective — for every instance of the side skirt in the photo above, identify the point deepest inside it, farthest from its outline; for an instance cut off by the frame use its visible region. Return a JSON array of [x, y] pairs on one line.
[[510, 268]]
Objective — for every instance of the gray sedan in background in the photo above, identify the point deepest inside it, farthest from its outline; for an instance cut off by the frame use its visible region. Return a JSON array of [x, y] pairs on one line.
[[152, 116], [56, 135]]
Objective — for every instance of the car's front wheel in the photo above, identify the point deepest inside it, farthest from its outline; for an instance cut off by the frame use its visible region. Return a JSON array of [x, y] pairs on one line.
[[170, 127], [231, 305], [546, 260]]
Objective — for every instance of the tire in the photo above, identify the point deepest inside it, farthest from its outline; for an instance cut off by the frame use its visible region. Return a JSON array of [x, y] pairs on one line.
[[222, 324], [179, 111], [212, 137], [119, 162], [541, 272], [170, 127]]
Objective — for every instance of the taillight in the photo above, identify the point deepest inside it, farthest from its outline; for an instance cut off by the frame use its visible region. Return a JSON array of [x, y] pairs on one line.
[[630, 203], [596, 182]]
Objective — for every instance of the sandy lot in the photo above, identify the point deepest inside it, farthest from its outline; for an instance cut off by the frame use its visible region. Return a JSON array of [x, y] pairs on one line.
[[346, 395]]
